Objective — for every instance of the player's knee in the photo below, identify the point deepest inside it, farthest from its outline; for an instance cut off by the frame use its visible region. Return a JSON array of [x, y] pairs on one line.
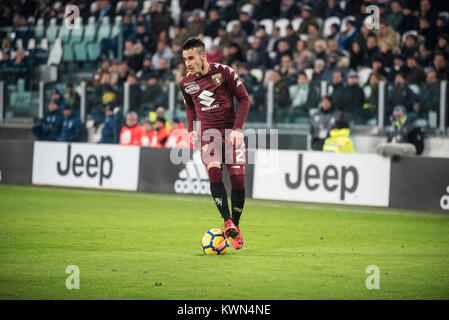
[[237, 181], [215, 174]]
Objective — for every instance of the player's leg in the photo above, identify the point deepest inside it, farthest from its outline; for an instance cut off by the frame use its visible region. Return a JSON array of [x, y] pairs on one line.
[[213, 163], [237, 176], [220, 196]]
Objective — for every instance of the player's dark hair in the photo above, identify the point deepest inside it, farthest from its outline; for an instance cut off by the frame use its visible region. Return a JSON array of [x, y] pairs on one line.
[[194, 42]]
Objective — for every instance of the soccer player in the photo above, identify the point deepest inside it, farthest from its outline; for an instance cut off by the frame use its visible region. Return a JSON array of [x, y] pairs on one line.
[[209, 90]]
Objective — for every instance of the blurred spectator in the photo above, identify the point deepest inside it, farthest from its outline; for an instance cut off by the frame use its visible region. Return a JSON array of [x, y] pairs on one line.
[[283, 48], [394, 19], [160, 16], [302, 56], [347, 37], [284, 65], [303, 96], [322, 122], [386, 54], [308, 19], [146, 72], [429, 97], [109, 133], [289, 9], [415, 74], [313, 34], [224, 39], [403, 138], [427, 11], [356, 55], [162, 133], [6, 15], [163, 51], [49, 127], [318, 70], [104, 68], [72, 98], [129, 29], [213, 24], [401, 94], [440, 66], [339, 140], [135, 58], [239, 36], [269, 9], [410, 46], [135, 92], [59, 99], [104, 8], [232, 53], [281, 96], [428, 32], [261, 33], [331, 67], [443, 45], [334, 32], [196, 23], [386, 34], [371, 50], [164, 73], [353, 96], [338, 89], [332, 47], [228, 10], [398, 65], [332, 9], [408, 22], [248, 25], [319, 49], [176, 48], [147, 38], [72, 128], [147, 133], [371, 90], [273, 40], [153, 93], [214, 54], [131, 132]]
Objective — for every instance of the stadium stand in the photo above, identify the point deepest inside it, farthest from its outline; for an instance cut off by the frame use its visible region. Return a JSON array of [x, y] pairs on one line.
[[108, 32]]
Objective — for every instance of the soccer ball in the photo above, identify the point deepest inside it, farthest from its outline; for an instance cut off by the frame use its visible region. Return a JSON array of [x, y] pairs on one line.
[[214, 242]]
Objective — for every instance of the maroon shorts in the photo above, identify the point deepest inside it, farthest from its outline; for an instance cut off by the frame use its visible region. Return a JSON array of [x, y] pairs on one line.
[[224, 152]]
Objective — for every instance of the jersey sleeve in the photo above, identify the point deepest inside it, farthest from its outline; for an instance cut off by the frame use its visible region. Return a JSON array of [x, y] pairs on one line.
[[238, 90], [190, 109]]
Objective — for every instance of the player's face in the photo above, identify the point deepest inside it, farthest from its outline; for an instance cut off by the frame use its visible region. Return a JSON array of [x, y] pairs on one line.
[[194, 60]]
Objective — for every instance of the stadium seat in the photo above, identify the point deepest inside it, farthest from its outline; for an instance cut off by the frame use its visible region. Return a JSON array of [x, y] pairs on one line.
[[19, 43], [56, 53], [39, 29], [248, 7], [257, 73], [343, 22], [282, 24], [31, 44], [175, 9], [364, 74], [64, 34], [230, 24], [328, 23], [405, 34], [309, 73], [146, 7], [94, 48], [51, 33], [414, 88], [207, 42], [68, 47], [89, 36], [44, 44], [268, 24], [296, 23]]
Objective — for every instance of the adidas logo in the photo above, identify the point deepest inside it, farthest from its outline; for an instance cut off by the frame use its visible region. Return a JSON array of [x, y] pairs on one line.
[[193, 178]]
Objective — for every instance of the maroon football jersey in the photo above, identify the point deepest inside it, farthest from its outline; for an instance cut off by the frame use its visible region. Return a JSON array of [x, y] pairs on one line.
[[210, 98]]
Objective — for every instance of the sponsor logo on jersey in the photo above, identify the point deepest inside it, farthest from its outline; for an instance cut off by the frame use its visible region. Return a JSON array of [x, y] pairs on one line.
[[189, 83], [217, 79], [192, 89]]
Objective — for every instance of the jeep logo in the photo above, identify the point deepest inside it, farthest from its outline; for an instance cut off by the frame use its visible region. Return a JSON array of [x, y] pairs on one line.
[[331, 178], [92, 166]]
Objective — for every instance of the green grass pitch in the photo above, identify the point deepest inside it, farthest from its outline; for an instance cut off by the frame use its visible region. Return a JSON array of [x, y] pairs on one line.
[[147, 246]]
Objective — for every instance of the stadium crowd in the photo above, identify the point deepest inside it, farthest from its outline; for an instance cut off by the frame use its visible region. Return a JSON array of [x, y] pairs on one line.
[[295, 44]]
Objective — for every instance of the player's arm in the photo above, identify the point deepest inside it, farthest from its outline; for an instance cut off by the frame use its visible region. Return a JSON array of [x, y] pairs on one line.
[[238, 90], [190, 114]]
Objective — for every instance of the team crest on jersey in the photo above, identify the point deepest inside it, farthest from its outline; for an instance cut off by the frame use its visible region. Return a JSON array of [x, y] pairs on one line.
[[217, 79]]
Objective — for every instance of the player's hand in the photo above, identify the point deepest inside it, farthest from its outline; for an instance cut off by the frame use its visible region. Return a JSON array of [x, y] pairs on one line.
[[192, 137], [236, 137]]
